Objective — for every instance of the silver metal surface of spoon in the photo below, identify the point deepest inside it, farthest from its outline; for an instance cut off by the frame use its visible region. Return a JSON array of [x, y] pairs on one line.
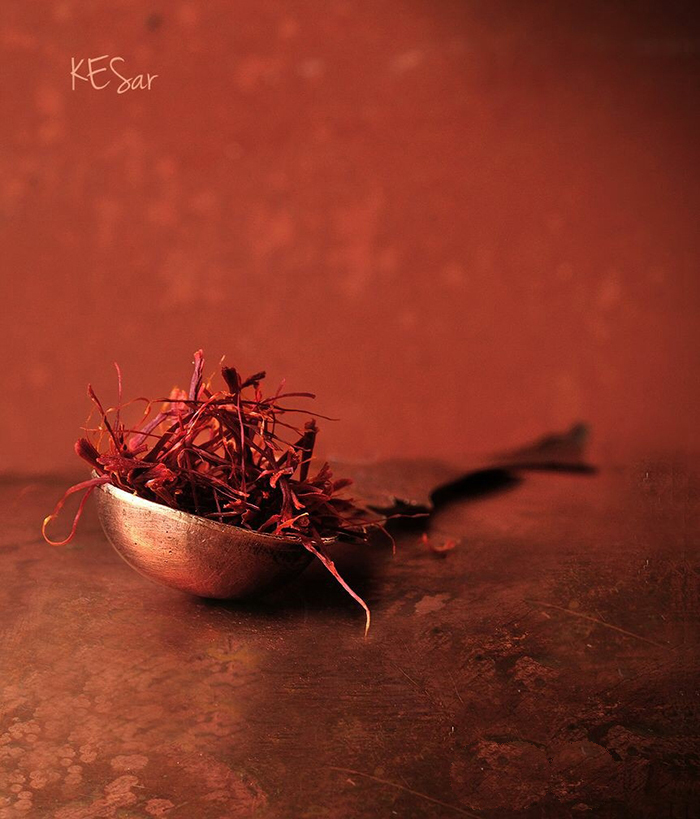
[[193, 554]]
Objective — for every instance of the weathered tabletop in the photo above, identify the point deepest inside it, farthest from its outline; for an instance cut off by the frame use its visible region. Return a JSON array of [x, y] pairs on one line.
[[547, 666]]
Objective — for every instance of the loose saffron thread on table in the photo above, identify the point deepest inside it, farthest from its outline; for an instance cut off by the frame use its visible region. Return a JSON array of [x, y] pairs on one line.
[[399, 787]]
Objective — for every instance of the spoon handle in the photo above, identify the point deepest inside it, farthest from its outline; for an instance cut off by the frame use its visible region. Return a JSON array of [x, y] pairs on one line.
[[410, 485]]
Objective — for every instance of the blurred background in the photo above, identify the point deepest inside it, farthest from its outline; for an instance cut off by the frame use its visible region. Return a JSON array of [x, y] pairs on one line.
[[462, 224]]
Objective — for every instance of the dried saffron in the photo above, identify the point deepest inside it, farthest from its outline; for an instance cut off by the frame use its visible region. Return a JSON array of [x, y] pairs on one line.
[[231, 455]]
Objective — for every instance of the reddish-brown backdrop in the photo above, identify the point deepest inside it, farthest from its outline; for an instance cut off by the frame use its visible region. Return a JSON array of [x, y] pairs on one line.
[[461, 223]]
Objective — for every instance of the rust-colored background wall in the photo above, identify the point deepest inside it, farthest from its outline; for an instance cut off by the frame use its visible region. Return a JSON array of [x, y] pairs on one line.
[[461, 223]]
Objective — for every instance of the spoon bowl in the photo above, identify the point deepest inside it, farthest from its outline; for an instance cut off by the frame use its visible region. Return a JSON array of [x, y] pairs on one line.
[[194, 554]]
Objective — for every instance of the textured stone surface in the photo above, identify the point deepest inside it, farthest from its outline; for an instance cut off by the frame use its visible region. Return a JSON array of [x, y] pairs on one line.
[[545, 666]]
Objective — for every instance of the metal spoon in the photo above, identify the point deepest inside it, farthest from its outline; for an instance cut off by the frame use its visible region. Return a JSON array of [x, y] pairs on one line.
[[218, 560], [193, 554]]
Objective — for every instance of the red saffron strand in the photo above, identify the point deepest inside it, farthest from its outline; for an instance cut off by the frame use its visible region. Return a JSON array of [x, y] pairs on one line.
[[330, 565], [89, 486]]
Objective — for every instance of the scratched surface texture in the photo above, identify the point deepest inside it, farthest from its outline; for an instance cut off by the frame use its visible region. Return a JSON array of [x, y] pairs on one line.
[[547, 666]]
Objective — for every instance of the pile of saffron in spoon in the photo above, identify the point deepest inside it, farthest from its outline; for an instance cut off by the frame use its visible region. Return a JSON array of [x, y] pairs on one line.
[[231, 455]]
